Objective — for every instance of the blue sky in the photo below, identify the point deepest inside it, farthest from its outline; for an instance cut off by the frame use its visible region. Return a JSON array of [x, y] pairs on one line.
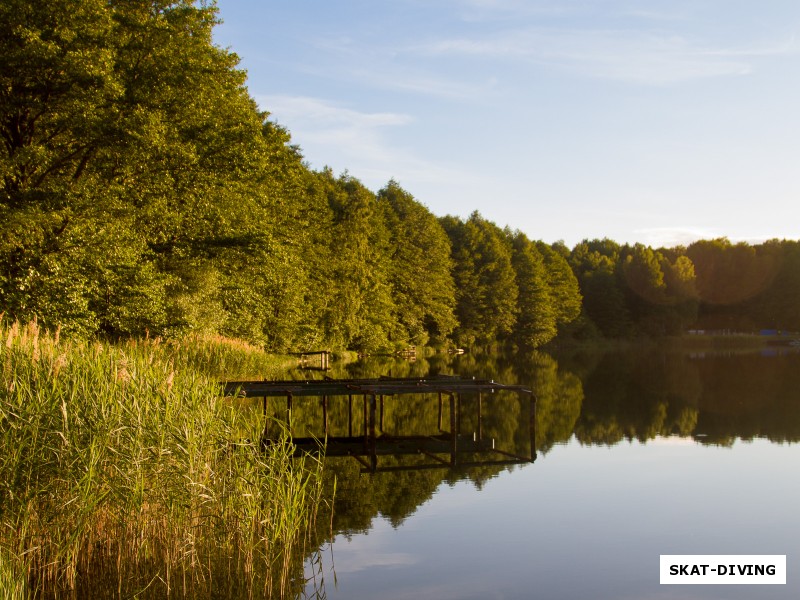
[[659, 122]]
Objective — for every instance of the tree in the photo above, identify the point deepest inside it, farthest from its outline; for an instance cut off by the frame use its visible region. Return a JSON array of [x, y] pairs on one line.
[[564, 287], [729, 276], [486, 293], [420, 272], [361, 313], [729, 273], [536, 311], [779, 306], [56, 88], [275, 252], [129, 148], [595, 266], [680, 280], [645, 289]]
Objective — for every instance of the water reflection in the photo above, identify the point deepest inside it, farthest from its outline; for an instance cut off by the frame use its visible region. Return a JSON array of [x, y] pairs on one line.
[[715, 398], [655, 399], [597, 398], [454, 445]]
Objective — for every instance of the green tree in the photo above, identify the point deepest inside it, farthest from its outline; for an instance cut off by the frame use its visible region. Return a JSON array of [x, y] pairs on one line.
[[564, 287], [275, 251], [486, 293], [361, 312], [536, 310], [645, 288], [56, 88], [729, 277], [779, 306], [130, 145], [680, 279], [595, 266], [420, 275], [729, 273]]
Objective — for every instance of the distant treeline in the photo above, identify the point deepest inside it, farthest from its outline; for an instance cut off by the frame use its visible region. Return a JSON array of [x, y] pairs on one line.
[[142, 191]]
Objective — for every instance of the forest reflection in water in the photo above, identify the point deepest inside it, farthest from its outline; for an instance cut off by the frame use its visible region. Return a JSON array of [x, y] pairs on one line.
[[584, 400]]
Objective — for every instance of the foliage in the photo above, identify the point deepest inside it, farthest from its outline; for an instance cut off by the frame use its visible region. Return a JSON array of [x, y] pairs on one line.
[[142, 191], [360, 313], [126, 474], [420, 275], [486, 291], [564, 287], [536, 309]]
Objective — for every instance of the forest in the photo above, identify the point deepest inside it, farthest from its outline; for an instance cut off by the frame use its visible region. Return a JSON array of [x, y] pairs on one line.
[[144, 193]]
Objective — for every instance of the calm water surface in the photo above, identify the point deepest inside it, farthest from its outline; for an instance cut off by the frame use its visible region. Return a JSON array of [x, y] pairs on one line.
[[638, 454]]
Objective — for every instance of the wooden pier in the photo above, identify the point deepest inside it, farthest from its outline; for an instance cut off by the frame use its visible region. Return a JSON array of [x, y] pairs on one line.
[[318, 360], [445, 450]]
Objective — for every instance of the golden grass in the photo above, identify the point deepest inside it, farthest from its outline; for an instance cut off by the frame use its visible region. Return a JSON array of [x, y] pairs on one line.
[[123, 473]]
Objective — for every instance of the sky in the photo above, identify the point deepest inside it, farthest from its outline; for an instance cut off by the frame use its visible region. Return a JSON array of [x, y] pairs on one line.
[[652, 121]]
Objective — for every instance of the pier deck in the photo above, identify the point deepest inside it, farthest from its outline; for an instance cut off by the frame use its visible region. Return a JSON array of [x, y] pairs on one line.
[[370, 445]]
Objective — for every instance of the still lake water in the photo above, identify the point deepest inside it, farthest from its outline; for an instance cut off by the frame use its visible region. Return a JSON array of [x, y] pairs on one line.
[[639, 453]]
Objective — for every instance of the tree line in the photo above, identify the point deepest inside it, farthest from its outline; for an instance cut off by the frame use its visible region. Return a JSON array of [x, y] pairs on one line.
[[142, 191], [709, 285]]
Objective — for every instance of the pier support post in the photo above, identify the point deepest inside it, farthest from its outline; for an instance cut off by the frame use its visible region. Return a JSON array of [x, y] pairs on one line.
[[289, 412], [480, 417], [350, 415], [453, 431], [373, 447], [265, 433], [366, 425], [532, 425], [325, 416]]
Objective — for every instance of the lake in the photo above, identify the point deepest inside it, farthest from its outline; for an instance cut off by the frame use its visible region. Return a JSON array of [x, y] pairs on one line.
[[639, 453]]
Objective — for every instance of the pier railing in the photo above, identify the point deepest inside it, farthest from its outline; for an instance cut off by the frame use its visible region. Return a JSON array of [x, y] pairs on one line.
[[446, 449]]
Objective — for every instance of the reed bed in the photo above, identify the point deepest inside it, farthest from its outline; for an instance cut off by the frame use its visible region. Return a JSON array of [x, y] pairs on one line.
[[218, 356], [124, 474]]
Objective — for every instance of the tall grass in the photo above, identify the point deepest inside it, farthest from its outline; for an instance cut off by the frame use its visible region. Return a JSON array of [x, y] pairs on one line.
[[123, 473], [217, 356]]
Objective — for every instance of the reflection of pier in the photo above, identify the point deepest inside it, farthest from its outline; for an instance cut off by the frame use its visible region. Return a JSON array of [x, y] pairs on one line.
[[449, 448], [307, 359]]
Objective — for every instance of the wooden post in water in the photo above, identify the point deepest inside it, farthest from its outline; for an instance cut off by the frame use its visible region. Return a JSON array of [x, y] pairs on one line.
[[533, 425], [381, 397], [306, 362], [453, 433], [289, 412], [366, 421], [440, 411], [265, 434], [350, 415], [480, 417], [325, 415], [373, 447], [458, 414]]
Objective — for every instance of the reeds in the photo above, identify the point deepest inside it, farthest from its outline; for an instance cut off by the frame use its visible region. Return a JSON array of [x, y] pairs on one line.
[[123, 473], [217, 356]]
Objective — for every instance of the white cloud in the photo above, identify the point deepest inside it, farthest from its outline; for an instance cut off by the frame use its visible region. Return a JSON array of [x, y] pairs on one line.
[[344, 138], [670, 237], [640, 57], [428, 84], [374, 549], [380, 67], [655, 15], [323, 113], [331, 134], [492, 10]]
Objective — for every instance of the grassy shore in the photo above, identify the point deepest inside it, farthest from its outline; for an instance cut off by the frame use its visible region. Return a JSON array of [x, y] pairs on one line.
[[124, 474]]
